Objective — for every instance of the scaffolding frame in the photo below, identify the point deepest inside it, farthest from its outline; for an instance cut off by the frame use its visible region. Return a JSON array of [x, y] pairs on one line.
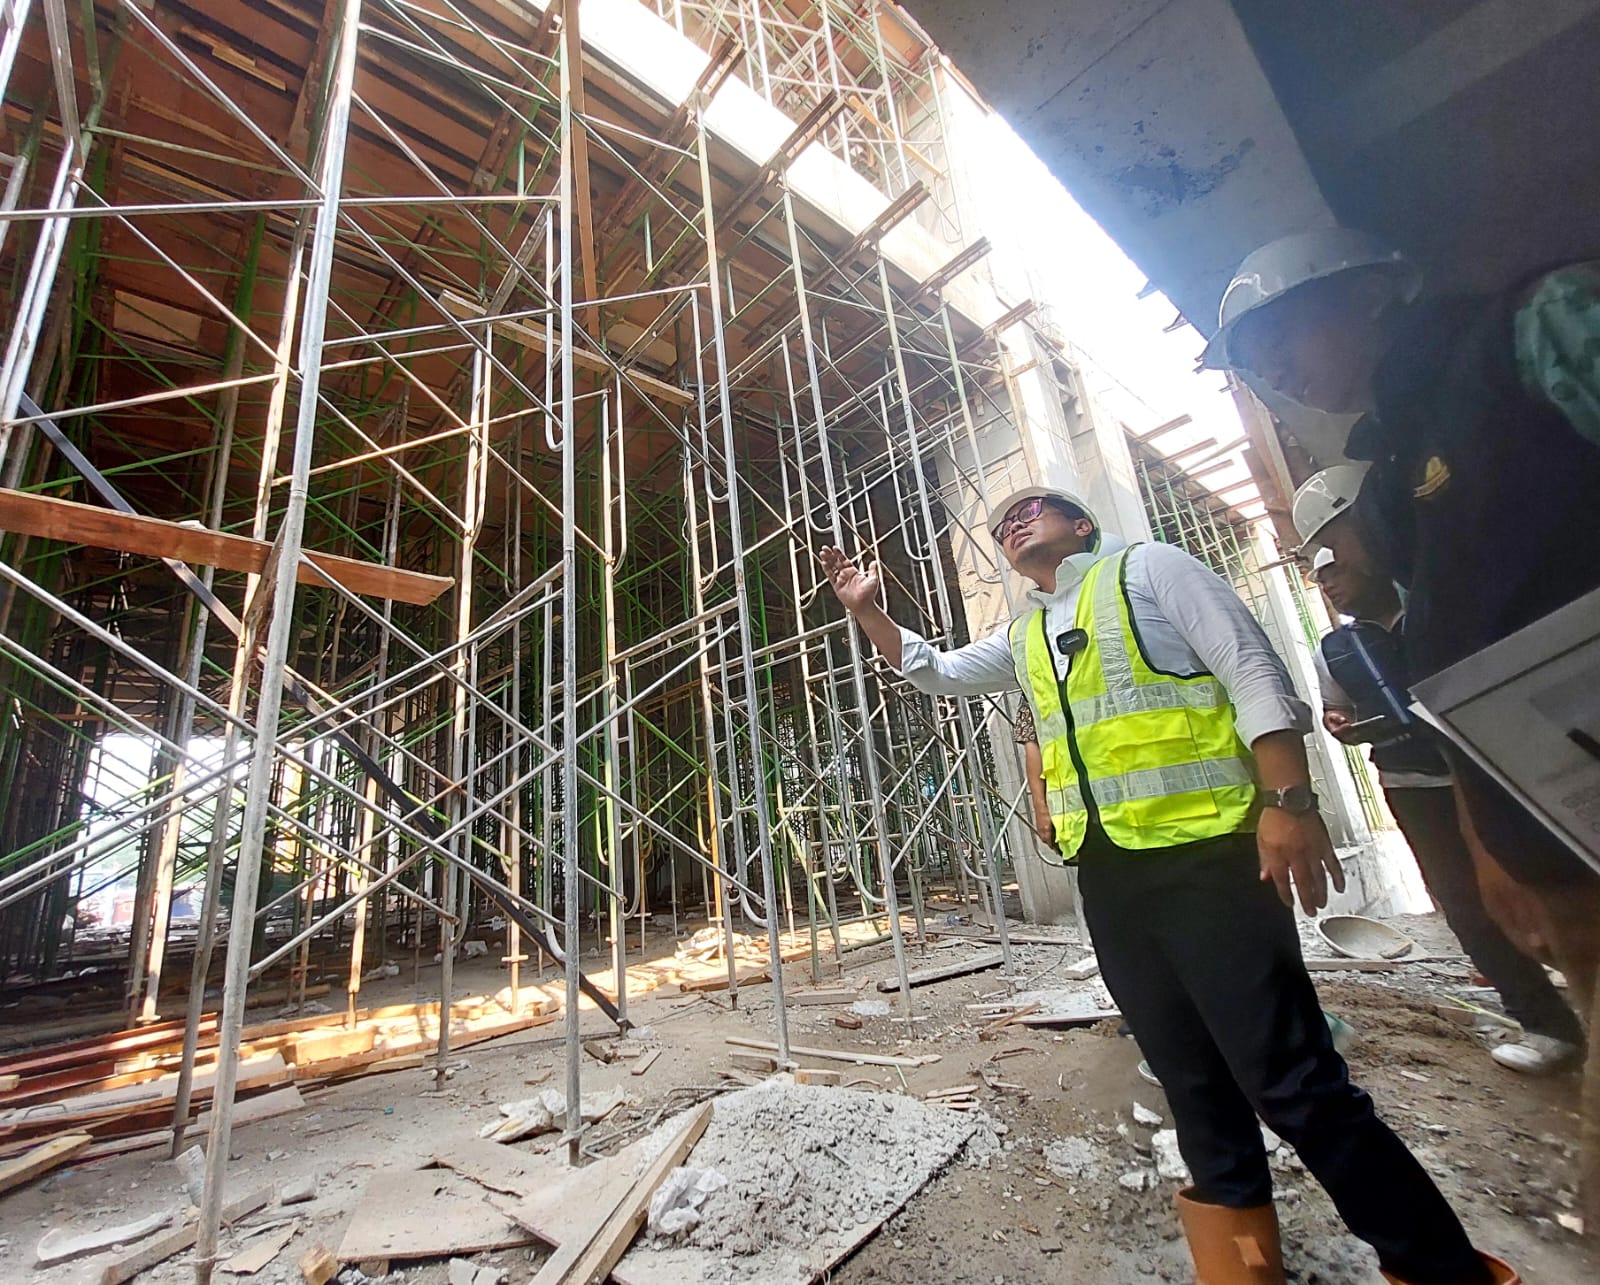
[[551, 342]]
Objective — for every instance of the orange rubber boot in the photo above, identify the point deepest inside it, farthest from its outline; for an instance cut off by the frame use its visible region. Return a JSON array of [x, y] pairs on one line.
[[1501, 1273], [1232, 1246]]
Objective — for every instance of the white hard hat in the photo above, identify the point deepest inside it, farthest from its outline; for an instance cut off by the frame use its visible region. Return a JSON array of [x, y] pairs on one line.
[[998, 511], [1324, 496], [1291, 261]]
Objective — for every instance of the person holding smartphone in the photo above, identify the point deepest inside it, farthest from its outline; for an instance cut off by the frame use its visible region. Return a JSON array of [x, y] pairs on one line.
[[1362, 670]]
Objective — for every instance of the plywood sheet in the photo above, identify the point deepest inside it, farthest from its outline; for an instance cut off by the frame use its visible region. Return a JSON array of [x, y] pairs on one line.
[[494, 1165], [426, 1213]]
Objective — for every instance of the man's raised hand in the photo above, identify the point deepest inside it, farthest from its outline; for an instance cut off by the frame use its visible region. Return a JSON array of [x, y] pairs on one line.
[[854, 588]]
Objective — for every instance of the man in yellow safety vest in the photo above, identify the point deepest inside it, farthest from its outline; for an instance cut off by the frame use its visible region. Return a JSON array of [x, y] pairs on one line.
[[1173, 753]]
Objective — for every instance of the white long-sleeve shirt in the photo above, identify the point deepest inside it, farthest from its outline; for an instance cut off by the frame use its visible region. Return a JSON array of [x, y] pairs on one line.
[[1188, 621]]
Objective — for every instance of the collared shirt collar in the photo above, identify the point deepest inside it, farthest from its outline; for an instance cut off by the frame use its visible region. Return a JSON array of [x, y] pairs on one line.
[[1390, 624], [1073, 568]]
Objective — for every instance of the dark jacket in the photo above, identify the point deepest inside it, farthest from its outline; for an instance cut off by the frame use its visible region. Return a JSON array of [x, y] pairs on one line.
[[1484, 502], [1368, 662]]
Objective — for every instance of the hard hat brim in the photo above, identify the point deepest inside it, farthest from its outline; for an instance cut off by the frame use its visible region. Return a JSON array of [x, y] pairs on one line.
[[998, 511], [1218, 353]]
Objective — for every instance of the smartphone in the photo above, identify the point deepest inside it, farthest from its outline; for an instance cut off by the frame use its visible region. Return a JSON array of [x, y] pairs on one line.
[[1383, 727]]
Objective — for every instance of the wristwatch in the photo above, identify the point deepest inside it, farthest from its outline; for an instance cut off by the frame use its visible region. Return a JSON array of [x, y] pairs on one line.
[[1296, 800]]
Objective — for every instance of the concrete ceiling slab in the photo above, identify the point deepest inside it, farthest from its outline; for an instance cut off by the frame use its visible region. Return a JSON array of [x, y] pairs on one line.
[[1193, 130], [1155, 115]]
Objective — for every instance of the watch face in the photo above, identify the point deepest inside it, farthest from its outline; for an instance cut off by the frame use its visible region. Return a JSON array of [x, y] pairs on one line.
[[1298, 799], [1295, 799]]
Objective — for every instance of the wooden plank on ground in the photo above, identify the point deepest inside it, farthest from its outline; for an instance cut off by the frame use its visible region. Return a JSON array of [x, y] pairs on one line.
[[1085, 1015], [491, 1164], [566, 1198], [52, 518], [587, 1259], [646, 1062], [42, 1159], [1022, 939], [719, 982], [857, 1056], [925, 976], [324, 1046], [838, 996], [426, 1213], [264, 1106], [257, 1074]]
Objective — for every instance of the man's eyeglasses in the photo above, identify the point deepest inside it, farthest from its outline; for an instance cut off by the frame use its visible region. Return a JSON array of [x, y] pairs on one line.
[[1024, 512]]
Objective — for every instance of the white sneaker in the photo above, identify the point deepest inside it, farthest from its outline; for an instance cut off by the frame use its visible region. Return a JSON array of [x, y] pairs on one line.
[[1537, 1054]]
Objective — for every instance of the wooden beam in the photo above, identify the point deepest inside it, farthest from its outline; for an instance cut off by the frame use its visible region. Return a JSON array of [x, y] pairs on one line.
[[42, 1159], [1145, 439], [857, 1056], [51, 518], [580, 165], [587, 1259], [537, 339], [953, 269], [924, 976]]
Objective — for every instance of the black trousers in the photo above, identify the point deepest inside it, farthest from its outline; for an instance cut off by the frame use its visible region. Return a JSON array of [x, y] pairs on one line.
[[1428, 820], [1204, 961]]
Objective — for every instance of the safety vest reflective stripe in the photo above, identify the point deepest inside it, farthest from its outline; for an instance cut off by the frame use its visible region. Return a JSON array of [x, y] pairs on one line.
[[1116, 666], [1157, 783], [1203, 695], [1049, 722]]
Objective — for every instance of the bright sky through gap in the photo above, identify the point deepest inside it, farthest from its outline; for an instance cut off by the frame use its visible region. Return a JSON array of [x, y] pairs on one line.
[[1047, 248]]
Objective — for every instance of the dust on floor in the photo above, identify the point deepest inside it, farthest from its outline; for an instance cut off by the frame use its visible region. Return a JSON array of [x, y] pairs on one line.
[[1501, 1146]]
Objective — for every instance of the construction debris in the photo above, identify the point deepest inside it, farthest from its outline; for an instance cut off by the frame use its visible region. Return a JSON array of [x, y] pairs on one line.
[[858, 1056], [807, 1075], [462, 1272], [546, 1113], [114, 1269], [811, 1173], [1085, 968], [425, 1213], [192, 1165], [258, 1255], [675, 1207], [1170, 1164], [590, 1251], [69, 1088], [58, 1244], [837, 996]]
